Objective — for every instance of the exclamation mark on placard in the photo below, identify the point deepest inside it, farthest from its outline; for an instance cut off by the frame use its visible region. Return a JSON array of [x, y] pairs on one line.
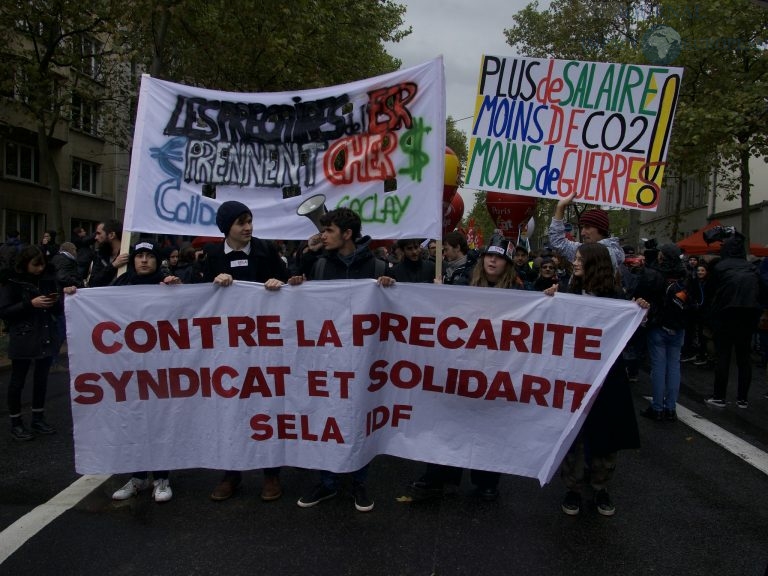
[[653, 171]]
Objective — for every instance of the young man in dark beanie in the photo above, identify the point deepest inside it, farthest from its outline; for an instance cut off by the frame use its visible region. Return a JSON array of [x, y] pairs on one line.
[[242, 257], [593, 227]]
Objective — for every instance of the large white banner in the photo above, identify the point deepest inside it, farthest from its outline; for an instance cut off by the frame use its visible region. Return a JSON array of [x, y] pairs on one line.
[[550, 128], [376, 146], [327, 375]]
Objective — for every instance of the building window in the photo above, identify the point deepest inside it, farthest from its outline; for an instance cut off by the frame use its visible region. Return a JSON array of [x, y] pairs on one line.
[[90, 57], [84, 115], [21, 162], [84, 176]]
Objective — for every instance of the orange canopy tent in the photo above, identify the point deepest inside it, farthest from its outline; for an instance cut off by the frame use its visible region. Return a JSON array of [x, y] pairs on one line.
[[694, 244]]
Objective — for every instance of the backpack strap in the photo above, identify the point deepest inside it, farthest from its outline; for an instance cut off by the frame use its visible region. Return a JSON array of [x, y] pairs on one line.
[[319, 269]]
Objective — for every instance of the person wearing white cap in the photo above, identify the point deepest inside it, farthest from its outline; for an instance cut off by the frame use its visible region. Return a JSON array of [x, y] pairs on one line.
[[144, 269]]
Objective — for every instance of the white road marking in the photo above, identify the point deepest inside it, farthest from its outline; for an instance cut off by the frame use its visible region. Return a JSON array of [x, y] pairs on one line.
[[14, 537], [735, 445]]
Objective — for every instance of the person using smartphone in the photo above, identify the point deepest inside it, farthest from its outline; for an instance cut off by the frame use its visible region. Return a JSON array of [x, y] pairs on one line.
[[30, 305]]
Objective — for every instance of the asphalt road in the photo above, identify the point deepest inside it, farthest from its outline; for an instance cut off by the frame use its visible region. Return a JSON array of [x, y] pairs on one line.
[[685, 506]]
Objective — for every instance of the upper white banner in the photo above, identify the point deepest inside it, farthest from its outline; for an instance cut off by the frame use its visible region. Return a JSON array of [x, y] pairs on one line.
[[327, 375], [376, 146], [548, 128]]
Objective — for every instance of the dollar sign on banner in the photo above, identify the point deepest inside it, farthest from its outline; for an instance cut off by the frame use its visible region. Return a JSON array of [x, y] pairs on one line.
[[412, 143]]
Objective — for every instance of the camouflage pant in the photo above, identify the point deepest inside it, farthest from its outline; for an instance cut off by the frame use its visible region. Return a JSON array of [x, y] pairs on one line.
[[580, 467]]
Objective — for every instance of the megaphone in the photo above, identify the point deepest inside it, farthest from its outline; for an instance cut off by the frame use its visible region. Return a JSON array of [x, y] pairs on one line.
[[313, 208]]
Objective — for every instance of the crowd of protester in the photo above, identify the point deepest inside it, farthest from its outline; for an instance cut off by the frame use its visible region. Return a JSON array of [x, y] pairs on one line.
[[700, 310]]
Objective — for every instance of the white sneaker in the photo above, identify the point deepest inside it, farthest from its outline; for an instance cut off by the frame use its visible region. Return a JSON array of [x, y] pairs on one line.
[[162, 491], [131, 488]]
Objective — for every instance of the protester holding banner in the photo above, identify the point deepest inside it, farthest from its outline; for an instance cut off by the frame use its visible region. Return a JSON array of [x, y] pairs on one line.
[[242, 257], [610, 425], [346, 256], [30, 303], [593, 227], [143, 269], [496, 269]]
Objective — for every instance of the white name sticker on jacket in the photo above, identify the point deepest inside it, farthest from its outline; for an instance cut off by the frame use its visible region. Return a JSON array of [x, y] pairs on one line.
[[238, 263]]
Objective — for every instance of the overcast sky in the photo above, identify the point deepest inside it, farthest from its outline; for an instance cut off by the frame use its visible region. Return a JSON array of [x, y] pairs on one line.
[[461, 31]]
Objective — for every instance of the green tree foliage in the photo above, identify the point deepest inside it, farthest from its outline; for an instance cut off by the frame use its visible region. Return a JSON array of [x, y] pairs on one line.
[[267, 45], [56, 51], [722, 115], [722, 119]]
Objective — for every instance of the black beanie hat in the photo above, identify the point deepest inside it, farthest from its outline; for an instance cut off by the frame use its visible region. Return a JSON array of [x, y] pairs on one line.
[[228, 212], [146, 245]]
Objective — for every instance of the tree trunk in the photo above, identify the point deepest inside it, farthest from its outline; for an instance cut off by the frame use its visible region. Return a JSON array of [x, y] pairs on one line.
[[745, 192], [160, 32], [678, 205], [54, 183]]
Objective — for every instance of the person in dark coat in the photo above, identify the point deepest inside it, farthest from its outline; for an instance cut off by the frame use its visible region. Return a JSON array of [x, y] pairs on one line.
[[610, 425], [243, 257], [30, 303], [340, 252], [65, 264], [734, 317], [143, 270], [413, 268]]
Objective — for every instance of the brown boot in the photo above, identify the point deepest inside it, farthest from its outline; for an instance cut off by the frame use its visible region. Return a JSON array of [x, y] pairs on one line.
[[226, 488], [271, 490]]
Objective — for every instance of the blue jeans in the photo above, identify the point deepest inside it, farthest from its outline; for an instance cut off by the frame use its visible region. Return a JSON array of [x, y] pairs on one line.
[[664, 350], [331, 479]]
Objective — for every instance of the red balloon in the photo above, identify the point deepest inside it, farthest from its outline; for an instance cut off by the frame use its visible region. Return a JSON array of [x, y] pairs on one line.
[[508, 211], [453, 214]]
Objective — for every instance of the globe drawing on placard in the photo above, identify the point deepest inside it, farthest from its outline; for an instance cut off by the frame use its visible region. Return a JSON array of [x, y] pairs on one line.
[[661, 45]]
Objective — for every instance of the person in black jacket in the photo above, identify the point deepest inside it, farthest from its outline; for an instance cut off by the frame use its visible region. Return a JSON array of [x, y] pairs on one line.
[[242, 257], [413, 268], [610, 425], [30, 302], [143, 270], [663, 285], [346, 255], [734, 316], [107, 260]]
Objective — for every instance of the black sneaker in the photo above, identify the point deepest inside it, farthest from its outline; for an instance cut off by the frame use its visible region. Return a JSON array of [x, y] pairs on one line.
[[362, 502], [20, 433], [700, 362], [487, 494], [655, 415], [670, 415], [316, 495], [571, 503], [42, 427], [603, 502], [423, 490]]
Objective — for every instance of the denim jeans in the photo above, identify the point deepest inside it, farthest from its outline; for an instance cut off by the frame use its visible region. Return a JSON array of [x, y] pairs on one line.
[[664, 350], [331, 479]]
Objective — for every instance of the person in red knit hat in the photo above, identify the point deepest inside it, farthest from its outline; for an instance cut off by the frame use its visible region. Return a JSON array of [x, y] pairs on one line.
[[594, 226]]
